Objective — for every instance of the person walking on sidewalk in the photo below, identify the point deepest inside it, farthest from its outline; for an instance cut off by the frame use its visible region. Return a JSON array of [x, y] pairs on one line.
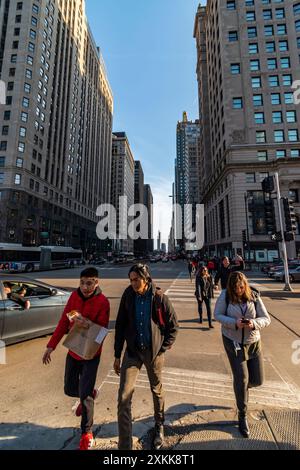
[[242, 314], [204, 292], [86, 303], [147, 322], [226, 269]]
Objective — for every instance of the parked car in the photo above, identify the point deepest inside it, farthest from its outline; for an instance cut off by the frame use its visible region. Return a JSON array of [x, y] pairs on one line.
[[165, 259], [98, 261], [46, 306], [294, 274]]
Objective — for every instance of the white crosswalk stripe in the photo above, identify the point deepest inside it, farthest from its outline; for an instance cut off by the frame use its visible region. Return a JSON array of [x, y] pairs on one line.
[[218, 386]]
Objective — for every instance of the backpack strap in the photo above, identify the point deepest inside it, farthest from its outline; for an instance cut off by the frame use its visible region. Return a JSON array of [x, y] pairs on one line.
[[160, 309]]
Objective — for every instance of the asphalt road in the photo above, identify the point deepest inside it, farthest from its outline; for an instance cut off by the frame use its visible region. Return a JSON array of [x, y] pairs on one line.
[[35, 414]]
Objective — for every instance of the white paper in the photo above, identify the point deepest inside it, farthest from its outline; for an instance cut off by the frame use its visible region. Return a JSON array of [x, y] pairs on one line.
[[101, 335]]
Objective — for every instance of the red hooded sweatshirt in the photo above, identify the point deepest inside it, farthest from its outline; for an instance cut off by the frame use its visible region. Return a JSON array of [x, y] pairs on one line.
[[95, 308]]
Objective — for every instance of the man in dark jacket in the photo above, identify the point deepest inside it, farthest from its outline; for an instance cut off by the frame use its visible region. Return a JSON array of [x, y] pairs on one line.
[[226, 269], [147, 322]]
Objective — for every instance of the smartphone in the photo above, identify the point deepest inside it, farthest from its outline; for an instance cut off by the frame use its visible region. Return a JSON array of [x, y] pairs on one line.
[[245, 320]]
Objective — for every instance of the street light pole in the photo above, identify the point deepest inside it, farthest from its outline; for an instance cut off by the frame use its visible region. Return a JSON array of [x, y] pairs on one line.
[[287, 286], [247, 226]]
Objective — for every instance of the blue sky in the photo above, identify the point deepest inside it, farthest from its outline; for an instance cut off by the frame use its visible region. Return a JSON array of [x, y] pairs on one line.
[[150, 57]]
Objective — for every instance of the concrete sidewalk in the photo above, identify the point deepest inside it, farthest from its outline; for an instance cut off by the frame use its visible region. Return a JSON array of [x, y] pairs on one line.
[[213, 429]]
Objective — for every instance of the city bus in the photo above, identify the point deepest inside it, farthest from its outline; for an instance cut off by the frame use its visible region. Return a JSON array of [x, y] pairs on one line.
[[17, 258]]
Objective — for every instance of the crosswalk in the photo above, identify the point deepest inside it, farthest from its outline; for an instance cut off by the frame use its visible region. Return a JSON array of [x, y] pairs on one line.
[[182, 290], [217, 386]]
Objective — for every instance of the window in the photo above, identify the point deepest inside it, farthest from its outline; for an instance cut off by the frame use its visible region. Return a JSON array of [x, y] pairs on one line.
[[297, 26], [232, 36], [27, 87], [34, 21], [296, 9], [12, 72], [291, 116], [293, 135], [260, 137], [5, 130], [295, 153], [277, 117], [279, 13], [285, 62], [279, 136], [267, 15], [1, 178], [253, 48], [280, 153], [35, 8], [19, 162], [288, 98], [2, 162], [18, 18], [231, 5], [287, 80], [294, 195], [273, 80], [235, 69], [13, 58], [24, 117], [269, 30], [3, 145], [249, 3], [281, 29], [270, 46], [262, 156], [29, 60], [250, 16], [31, 47], [10, 86], [32, 34], [28, 74], [237, 103], [19, 5], [17, 32], [272, 64], [21, 147], [250, 177], [22, 132], [298, 43], [25, 102], [252, 32], [8, 100], [256, 82], [254, 65], [283, 46], [18, 179], [257, 100], [6, 116], [259, 118]]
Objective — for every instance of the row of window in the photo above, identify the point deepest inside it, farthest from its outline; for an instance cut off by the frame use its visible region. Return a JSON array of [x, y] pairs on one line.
[[237, 102], [278, 136], [231, 4], [277, 117], [262, 155], [254, 65]]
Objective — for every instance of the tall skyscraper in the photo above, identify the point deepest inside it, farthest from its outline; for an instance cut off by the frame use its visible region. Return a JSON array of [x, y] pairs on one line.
[[187, 189], [248, 59], [148, 202], [55, 149], [122, 185], [139, 244]]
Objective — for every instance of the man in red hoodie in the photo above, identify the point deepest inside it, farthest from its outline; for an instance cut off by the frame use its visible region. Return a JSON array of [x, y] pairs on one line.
[[80, 374]]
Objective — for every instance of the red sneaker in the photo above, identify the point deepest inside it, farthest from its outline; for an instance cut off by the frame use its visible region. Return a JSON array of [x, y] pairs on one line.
[[78, 411], [86, 441]]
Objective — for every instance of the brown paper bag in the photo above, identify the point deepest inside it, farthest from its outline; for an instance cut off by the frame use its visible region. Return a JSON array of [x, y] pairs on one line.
[[82, 341]]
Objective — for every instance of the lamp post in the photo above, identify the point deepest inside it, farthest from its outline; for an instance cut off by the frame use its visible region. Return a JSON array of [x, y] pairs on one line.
[[247, 225]]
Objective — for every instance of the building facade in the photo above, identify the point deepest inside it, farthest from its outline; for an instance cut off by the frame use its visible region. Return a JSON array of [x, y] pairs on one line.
[[248, 59], [122, 186], [55, 150], [187, 187]]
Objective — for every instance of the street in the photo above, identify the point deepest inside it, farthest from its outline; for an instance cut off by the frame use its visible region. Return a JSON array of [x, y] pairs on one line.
[[35, 413]]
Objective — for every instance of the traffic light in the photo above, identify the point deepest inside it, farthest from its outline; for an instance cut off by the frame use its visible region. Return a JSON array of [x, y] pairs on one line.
[[289, 215], [270, 220], [276, 237], [268, 184]]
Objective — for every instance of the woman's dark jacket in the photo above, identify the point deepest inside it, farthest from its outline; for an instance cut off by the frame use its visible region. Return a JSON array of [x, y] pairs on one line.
[[204, 289], [164, 324]]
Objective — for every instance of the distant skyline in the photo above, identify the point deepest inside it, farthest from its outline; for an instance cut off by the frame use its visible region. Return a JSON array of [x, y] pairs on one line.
[[150, 56]]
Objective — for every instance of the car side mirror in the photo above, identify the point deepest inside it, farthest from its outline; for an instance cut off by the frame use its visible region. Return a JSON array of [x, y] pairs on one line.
[[53, 291]]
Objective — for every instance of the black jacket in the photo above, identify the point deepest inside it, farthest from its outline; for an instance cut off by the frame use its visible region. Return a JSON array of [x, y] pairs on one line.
[[224, 273], [163, 330], [204, 289]]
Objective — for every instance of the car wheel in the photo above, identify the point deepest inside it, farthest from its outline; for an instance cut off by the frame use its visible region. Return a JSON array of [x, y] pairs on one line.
[[29, 268]]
